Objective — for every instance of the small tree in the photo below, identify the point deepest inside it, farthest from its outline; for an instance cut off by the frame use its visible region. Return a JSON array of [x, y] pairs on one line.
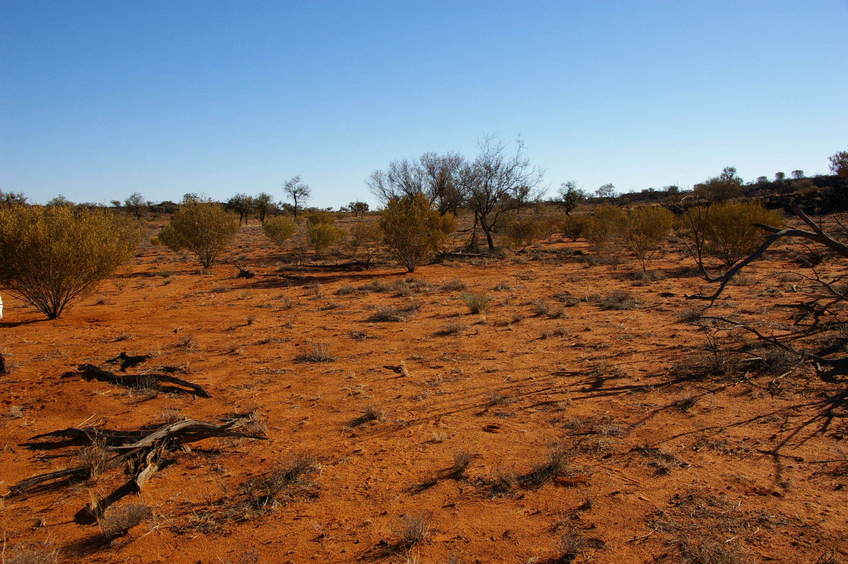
[[497, 183], [242, 204], [298, 191], [203, 228], [279, 229], [135, 204], [413, 230], [263, 204], [358, 208], [570, 196], [798, 174], [732, 231], [694, 225], [50, 256], [779, 176], [646, 229], [605, 191], [839, 163]]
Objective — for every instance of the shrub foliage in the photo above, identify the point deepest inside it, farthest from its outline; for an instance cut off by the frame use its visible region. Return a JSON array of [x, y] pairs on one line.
[[204, 229], [279, 229], [413, 230], [646, 229], [50, 256]]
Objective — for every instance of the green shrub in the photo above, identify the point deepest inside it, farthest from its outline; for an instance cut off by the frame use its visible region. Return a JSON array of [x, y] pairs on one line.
[[523, 230], [605, 226], [731, 233], [203, 228], [646, 229], [323, 235], [50, 256], [413, 230], [279, 229]]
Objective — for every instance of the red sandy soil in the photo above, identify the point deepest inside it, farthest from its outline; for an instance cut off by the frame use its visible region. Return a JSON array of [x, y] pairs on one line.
[[659, 464]]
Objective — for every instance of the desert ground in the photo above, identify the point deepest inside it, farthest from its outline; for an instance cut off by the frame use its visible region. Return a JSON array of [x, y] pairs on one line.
[[585, 414]]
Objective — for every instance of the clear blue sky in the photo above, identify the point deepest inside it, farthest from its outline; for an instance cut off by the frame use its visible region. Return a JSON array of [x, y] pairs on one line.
[[99, 99]]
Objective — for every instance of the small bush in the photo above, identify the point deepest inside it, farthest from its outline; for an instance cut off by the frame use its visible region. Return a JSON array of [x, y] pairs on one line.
[[646, 229], [523, 230], [50, 256], [573, 226], [731, 232], [318, 352], [453, 328], [204, 229], [605, 227], [619, 300], [117, 521], [476, 302], [363, 234], [279, 229], [413, 230], [323, 235]]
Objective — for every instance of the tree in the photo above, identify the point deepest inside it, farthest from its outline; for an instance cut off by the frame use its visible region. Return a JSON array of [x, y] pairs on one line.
[[762, 180], [9, 199], [779, 176], [721, 188], [497, 183], [204, 228], [839, 163], [263, 204], [436, 176], [242, 204], [413, 230], [59, 201], [50, 256], [606, 191], [570, 196], [358, 208], [297, 191], [135, 204], [798, 174]]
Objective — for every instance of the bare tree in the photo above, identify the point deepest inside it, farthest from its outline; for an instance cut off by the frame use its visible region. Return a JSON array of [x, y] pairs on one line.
[[497, 183], [443, 183], [298, 191], [434, 175]]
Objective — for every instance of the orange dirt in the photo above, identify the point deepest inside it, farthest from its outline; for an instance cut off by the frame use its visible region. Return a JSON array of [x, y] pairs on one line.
[[655, 461]]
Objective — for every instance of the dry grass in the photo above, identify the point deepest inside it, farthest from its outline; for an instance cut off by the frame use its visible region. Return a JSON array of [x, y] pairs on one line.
[[318, 352], [118, 520], [476, 302]]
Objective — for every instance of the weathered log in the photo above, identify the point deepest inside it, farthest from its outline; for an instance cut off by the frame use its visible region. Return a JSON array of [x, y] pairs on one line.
[[139, 381]]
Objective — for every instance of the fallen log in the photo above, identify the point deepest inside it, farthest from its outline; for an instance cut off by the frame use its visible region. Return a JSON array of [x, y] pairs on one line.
[[90, 372]]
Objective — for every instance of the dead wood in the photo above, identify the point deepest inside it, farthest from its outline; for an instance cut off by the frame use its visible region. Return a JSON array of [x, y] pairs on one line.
[[158, 382], [127, 361]]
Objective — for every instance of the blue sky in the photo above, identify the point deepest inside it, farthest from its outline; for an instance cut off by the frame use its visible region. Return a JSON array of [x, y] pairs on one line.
[[99, 99]]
